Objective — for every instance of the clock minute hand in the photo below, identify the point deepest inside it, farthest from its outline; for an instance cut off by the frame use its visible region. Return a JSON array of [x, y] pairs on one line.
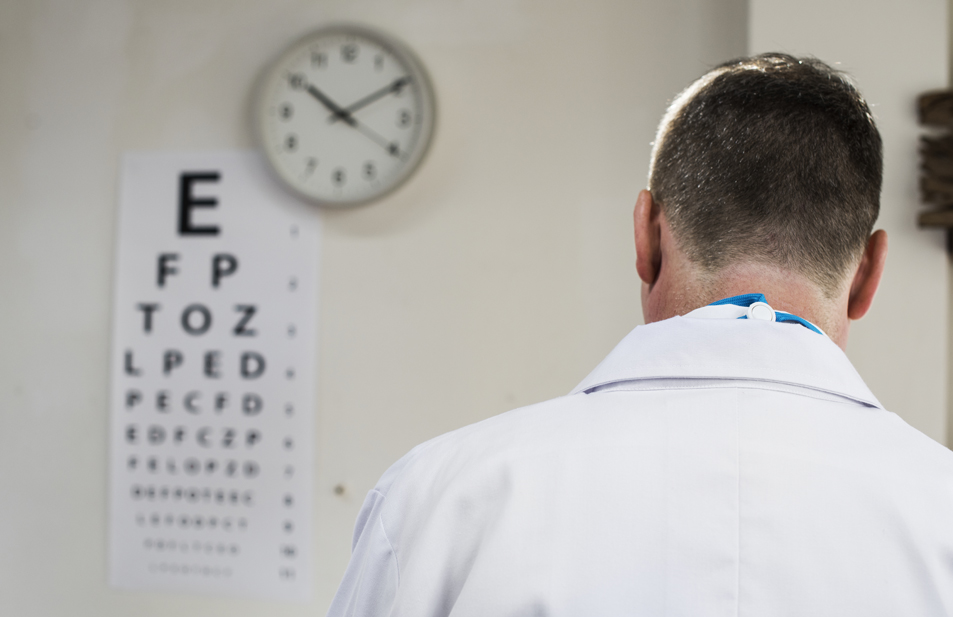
[[331, 105], [345, 115], [394, 86]]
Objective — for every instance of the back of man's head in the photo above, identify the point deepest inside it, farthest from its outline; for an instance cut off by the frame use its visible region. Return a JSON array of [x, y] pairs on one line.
[[770, 160]]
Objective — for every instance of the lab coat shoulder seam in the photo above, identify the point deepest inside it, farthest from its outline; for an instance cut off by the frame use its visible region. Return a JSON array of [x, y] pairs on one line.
[[398, 470], [390, 545]]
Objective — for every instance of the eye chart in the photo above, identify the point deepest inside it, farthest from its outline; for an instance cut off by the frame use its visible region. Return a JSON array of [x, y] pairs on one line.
[[212, 379]]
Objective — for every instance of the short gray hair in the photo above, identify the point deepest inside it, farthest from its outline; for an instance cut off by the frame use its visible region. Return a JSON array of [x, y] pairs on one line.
[[770, 159]]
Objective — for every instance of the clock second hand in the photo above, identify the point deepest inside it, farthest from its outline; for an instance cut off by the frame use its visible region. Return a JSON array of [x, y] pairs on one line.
[[391, 147]]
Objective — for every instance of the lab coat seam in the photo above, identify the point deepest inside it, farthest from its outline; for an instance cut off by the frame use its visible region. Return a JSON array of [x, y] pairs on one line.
[[793, 378], [363, 524], [738, 505], [400, 468], [390, 545], [732, 383]]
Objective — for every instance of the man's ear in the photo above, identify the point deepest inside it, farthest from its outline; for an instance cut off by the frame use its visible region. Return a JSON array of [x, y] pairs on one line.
[[868, 275], [648, 238]]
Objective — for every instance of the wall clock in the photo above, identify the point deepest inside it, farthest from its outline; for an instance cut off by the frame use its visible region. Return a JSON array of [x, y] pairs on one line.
[[345, 115]]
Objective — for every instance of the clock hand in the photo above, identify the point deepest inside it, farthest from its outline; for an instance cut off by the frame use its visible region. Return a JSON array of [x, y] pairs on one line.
[[345, 115], [394, 86], [331, 105], [391, 147]]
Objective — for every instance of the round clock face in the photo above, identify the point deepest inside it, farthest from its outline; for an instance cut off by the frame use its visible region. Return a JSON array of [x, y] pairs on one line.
[[345, 115]]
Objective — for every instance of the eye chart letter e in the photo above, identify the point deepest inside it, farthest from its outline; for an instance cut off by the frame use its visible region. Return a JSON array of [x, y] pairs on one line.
[[212, 379]]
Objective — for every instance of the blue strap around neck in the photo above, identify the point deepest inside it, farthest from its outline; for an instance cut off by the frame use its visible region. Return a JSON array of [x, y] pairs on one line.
[[742, 300], [749, 299]]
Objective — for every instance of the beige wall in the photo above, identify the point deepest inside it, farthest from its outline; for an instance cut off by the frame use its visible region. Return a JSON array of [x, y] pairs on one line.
[[895, 50], [497, 277]]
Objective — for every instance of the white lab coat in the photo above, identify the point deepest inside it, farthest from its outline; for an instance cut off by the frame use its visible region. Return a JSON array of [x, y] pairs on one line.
[[707, 467]]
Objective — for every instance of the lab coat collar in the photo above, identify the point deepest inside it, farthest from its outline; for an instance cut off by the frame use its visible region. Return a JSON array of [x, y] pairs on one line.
[[699, 347], [739, 311]]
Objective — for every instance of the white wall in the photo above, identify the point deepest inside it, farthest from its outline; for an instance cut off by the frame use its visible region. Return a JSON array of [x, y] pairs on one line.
[[896, 51], [497, 277]]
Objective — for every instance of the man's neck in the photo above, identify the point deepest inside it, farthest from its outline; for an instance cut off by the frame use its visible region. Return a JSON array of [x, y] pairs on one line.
[[784, 290]]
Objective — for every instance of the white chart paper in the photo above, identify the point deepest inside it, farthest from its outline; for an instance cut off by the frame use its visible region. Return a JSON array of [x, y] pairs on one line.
[[212, 379]]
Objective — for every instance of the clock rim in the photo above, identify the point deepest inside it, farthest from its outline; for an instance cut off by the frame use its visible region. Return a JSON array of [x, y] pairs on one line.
[[405, 54]]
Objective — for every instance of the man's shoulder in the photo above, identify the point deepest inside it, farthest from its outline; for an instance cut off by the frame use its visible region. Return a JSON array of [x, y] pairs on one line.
[[642, 417], [932, 459], [482, 441]]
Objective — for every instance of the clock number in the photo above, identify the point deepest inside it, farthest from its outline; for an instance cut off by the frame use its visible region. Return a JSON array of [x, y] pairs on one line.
[[403, 118], [291, 143], [393, 149], [339, 176], [310, 165], [319, 59], [296, 80], [286, 111], [379, 62], [349, 52], [370, 172]]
